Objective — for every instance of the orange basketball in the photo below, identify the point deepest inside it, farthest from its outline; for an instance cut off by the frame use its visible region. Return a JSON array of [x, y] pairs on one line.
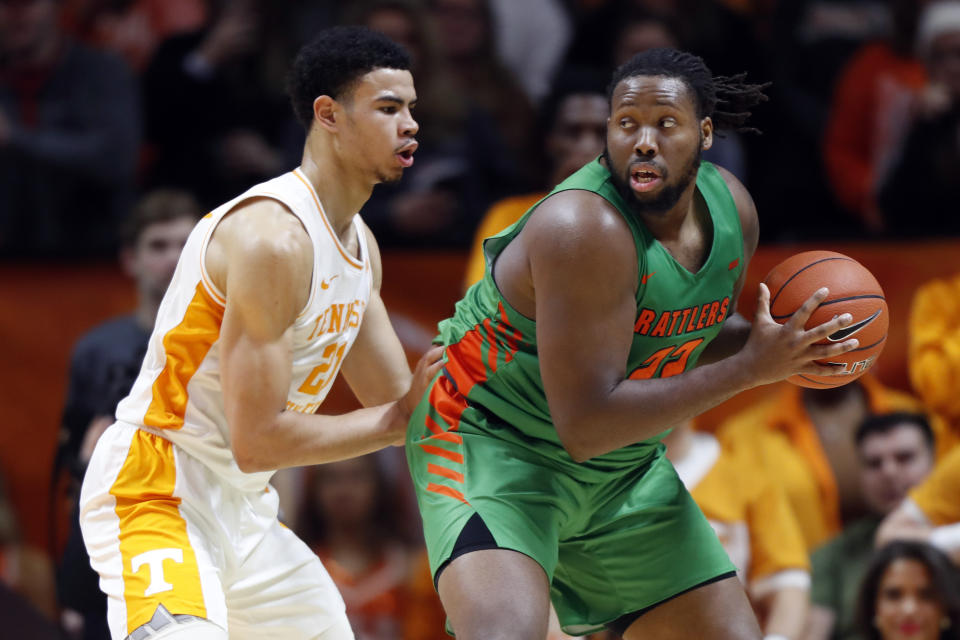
[[853, 290]]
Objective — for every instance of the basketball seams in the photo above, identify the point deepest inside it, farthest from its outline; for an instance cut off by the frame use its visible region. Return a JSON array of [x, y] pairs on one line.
[[826, 302], [799, 271]]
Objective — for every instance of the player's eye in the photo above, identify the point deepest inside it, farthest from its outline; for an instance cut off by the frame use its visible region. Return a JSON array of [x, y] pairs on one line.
[[668, 123], [389, 110], [626, 123]]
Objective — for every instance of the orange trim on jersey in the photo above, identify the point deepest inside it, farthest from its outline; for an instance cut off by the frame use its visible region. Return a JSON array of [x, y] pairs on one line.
[[323, 216], [159, 565], [185, 347], [446, 491], [453, 456], [436, 469]]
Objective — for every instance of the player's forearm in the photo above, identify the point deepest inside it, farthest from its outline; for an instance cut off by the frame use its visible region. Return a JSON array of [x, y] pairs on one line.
[[733, 335], [787, 613], [635, 410], [295, 439]]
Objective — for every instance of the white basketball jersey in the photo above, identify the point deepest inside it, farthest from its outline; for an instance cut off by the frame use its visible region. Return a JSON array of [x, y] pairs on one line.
[[178, 394]]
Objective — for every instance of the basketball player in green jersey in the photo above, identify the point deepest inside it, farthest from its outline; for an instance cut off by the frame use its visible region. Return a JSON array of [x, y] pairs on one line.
[[536, 453]]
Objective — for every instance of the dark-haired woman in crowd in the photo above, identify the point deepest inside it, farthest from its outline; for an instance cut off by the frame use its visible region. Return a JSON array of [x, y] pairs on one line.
[[911, 590]]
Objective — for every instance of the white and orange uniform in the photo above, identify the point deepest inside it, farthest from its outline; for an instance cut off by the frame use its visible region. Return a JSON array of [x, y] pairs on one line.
[[167, 515]]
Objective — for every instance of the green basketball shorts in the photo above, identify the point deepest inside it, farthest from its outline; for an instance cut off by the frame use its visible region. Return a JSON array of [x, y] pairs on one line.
[[609, 548]]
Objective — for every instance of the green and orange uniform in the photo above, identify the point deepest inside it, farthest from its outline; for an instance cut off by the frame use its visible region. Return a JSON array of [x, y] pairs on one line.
[[617, 533]]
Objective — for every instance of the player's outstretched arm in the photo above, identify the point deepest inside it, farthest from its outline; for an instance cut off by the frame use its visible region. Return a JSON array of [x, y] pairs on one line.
[[262, 258], [583, 267]]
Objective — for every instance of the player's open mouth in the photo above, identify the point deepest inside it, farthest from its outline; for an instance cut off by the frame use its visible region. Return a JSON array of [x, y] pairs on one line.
[[405, 154], [644, 178]]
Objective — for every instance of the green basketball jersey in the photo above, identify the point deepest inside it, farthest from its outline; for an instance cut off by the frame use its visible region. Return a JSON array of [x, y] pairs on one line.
[[492, 349]]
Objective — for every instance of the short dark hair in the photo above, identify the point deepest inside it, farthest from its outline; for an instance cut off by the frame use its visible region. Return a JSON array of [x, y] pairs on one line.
[[726, 99], [570, 81], [332, 62], [160, 205], [943, 575], [884, 422]]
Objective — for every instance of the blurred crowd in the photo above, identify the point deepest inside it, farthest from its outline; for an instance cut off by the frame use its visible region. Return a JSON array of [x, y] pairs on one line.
[[123, 121]]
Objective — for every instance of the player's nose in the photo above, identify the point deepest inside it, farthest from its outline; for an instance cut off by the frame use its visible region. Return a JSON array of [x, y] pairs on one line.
[[646, 144], [409, 127]]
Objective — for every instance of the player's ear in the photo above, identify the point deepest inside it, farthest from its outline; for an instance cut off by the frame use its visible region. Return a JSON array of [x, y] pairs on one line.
[[325, 112], [706, 132]]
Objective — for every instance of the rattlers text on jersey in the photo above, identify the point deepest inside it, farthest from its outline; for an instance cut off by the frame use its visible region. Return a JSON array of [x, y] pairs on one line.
[[178, 394]]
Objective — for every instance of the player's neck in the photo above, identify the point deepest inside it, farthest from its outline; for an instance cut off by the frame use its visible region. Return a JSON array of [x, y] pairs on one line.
[[341, 191], [668, 226]]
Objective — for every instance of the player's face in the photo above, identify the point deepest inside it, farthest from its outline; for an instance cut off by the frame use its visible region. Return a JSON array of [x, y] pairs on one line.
[[155, 256], [654, 141], [907, 603], [379, 130], [891, 463], [577, 135]]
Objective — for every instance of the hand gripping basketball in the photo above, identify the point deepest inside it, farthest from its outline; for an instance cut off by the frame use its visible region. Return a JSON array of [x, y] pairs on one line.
[[777, 351]]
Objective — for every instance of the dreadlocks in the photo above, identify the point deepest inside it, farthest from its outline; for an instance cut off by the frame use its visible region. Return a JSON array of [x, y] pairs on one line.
[[726, 99]]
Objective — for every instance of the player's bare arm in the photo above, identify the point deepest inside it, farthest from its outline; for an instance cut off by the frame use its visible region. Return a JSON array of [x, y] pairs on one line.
[[375, 367], [733, 334], [581, 264], [261, 256]]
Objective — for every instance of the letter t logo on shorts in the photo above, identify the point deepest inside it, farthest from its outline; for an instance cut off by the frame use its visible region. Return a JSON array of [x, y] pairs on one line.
[[155, 559]]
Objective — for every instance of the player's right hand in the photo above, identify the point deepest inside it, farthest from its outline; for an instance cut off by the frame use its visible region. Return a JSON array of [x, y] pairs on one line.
[[426, 369], [775, 351]]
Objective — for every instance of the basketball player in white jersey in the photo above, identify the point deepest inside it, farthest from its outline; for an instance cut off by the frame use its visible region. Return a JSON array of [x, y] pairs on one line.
[[275, 293]]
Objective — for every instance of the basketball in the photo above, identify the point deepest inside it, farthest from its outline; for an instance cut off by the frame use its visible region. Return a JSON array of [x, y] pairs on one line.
[[853, 290]]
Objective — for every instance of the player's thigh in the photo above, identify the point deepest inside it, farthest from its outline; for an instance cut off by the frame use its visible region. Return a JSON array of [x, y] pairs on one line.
[[495, 593], [281, 591], [153, 557], [718, 610]]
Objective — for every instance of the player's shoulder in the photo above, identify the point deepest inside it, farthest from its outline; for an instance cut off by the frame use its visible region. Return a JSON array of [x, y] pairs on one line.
[[578, 216], [746, 208], [264, 228]]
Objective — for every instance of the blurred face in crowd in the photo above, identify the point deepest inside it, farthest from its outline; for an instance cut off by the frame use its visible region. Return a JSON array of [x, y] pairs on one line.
[[27, 26], [461, 25], [891, 463], [654, 141], [153, 259], [907, 605], [639, 36], [945, 62], [347, 491], [578, 131], [378, 128], [397, 25]]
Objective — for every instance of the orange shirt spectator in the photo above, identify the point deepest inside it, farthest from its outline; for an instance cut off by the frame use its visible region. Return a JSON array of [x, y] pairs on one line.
[[870, 107], [934, 355], [780, 435], [500, 216]]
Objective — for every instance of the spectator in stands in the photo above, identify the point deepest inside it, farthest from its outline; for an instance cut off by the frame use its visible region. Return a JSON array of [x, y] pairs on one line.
[[353, 520], [215, 113], [463, 163], [931, 512], [104, 364], [911, 591], [895, 453], [934, 359], [132, 28], [69, 137], [573, 131], [805, 438], [753, 520], [868, 112], [925, 179]]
